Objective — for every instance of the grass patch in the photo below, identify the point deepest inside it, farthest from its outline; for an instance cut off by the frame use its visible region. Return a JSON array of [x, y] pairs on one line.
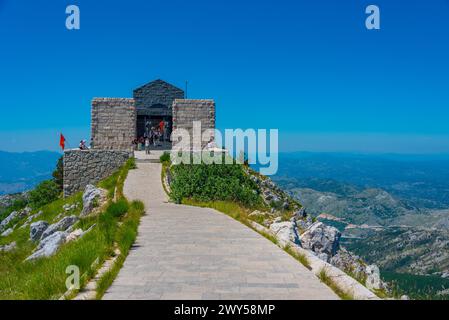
[[165, 157], [45, 278], [125, 238], [118, 209], [324, 277], [232, 209], [298, 256]]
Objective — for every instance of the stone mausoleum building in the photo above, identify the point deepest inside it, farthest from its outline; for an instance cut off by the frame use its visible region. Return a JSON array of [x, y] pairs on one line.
[[116, 122]]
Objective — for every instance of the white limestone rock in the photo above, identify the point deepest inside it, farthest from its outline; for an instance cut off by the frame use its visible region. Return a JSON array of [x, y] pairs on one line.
[[31, 218], [78, 234], [285, 232], [63, 225], [48, 246], [373, 281], [74, 235], [320, 239], [90, 194], [37, 229], [7, 232], [8, 247], [13, 216]]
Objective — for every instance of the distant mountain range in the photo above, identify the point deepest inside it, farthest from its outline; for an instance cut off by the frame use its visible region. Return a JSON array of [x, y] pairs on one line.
[[393, 210], [22, 171]]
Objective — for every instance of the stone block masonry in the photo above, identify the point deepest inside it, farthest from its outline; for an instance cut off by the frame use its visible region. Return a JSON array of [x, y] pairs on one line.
[[83, 167], [113, 123], [186, 111], [156, 98]]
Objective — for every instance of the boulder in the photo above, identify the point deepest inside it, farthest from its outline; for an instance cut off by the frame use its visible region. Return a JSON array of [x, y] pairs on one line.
[[69, 207], [37, 229], [13, 216], [323, 256], [301, 213], [373, 281], [277, 220], [321, 238], [349, 263], [90, 194], [285, 232], [78, 233], [64, 224], [32, 217], [257, 213], [74, 235], [8, 247], [48, 246], [7, 232]]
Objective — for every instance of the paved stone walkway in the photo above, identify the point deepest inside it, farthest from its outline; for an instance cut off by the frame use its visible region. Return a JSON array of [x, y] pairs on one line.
[[185, 252]]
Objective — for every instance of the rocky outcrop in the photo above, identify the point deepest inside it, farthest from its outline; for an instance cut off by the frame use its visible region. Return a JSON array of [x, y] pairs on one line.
[[373, 281], [15, 215], [322, 240], [7, 232], [272, 195], [69, 207], [350, 263], [31, 218], [48, 246], [91, 196], [8, 247], [78, 234], [285, 232], [64, 224], [37, 229]]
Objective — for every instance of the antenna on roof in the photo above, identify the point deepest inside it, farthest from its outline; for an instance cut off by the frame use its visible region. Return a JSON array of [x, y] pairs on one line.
[[185, 93]]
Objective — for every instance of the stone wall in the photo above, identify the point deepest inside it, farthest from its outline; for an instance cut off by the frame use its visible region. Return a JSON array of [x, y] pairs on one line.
[[83, 167], [186, 111], [113, 123]]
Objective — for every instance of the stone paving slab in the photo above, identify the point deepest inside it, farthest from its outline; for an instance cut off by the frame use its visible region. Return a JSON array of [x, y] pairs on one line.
[[185, 252]]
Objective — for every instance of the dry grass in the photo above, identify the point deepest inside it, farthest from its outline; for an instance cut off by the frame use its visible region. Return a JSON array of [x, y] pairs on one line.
[[324, 277]]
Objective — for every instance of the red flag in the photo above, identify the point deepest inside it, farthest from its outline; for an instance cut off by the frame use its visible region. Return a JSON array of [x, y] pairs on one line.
[[62, 142]]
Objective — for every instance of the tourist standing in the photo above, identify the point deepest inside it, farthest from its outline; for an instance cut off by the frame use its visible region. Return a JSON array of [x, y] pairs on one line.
[[161, 128], [147, 145]]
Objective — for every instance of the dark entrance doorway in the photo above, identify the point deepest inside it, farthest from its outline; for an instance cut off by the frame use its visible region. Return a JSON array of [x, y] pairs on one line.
[[146, 123], [154, 102]]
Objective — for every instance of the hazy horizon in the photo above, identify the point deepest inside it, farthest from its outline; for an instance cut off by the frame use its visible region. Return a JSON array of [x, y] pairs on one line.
[[314, 71]]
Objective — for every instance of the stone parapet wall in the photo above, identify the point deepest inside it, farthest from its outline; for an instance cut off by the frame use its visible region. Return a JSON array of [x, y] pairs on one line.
[[186, 111], [113, 123], [83, 167]]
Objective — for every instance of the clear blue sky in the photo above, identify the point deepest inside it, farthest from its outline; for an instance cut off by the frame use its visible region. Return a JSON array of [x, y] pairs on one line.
[[309, 68]]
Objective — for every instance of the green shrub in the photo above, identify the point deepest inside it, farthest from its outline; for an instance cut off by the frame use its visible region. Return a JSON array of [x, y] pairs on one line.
[[118, 209], [46, 192], [211, 182], [165, 157], [58, 174]]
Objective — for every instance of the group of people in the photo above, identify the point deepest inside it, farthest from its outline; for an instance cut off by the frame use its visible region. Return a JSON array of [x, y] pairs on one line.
[[153, 136]]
